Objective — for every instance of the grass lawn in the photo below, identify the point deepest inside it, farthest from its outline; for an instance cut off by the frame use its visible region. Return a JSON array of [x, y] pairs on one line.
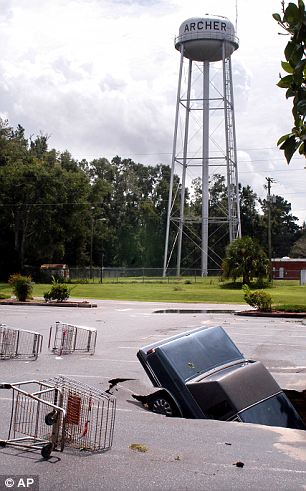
[[204, 290]]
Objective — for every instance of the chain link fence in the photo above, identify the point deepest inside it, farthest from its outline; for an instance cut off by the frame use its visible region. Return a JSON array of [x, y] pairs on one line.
[[121, 275], [118, 275]]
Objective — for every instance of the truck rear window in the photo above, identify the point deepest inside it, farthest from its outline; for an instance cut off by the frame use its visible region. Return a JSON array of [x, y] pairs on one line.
[[275, 411]]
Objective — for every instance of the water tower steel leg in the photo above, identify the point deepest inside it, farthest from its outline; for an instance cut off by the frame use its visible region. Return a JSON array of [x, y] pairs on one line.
[[184, 169], [231, 152], [173, 162], [238, 226], [227, 146], [205, 161]]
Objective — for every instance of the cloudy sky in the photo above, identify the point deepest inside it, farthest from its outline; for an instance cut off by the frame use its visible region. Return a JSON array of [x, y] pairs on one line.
[[100, 77]]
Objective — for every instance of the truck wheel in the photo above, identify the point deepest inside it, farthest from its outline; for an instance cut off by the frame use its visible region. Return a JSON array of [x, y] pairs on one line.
[[162, 404]]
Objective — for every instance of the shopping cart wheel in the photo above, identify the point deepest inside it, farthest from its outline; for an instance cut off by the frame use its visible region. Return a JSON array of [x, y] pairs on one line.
[[46, 450], [51, 418]]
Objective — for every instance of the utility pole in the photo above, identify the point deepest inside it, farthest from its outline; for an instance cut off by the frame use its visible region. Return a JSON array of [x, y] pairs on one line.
[[91, 240], [268, 186]]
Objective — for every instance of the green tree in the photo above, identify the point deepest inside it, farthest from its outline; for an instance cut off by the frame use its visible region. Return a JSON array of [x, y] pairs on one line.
[[284, 229], [42, 202], [138, 204], [298, 249], [250, 218], [293, 21], [245, 258]]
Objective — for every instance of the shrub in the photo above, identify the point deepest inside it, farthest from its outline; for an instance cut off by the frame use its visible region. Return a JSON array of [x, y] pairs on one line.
[[22, 286], [59, 291], [259, 299]]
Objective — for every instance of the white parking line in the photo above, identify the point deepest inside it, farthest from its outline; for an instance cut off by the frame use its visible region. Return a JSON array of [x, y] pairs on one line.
[[107, 360], [285, 368], [269, 335], [78, 375], [271, 344]]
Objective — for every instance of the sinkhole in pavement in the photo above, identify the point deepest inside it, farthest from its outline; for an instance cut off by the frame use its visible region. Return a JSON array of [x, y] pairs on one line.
[[160, 405], [194, 311]]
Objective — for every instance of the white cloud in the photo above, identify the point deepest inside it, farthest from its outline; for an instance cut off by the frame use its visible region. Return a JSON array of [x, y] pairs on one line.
[[100, 77]]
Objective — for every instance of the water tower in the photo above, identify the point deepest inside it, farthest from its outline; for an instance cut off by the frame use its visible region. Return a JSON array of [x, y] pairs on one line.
[[205, 92]]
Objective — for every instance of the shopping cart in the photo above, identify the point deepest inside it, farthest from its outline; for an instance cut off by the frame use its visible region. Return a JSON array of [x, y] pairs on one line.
[[60, 412], [37, 417], [19, 343], [90, 415], [67, 338]]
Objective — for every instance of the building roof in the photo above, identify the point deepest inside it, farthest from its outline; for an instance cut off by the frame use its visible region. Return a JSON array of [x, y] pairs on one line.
[[289, 259], [53, 266]]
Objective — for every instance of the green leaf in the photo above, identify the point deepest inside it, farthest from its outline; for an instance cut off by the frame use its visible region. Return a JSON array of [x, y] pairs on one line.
[[277, 17], [290, 146], [301, 7], [301, 65], [290, 93], [296, 118], [292, 13], [296, 55], [289, 49], [299, 37], [302, 149], [283, 138], [287, 67], [298, 77], [301, 107], [285, 82]]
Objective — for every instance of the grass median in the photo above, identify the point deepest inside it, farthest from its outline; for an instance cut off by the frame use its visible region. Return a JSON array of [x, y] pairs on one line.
[[200, 290]]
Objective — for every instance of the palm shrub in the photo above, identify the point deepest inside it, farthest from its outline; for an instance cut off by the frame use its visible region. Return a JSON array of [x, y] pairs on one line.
[[59, 291], [22, 286], [244, 257]]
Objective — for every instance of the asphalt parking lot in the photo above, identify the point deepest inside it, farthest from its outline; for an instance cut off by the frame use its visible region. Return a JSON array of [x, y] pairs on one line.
[[180, 454]]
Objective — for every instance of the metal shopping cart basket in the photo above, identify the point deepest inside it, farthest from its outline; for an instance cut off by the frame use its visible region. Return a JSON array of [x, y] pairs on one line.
[[19, 343], [67, 338], [60, 412], [90, 415]]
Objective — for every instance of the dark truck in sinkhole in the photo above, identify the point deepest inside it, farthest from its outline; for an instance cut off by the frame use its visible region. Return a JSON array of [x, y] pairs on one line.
[[202, 374]]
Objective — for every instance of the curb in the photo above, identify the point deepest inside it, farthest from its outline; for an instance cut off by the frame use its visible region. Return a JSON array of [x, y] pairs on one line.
[[84, 305], [284, 315]]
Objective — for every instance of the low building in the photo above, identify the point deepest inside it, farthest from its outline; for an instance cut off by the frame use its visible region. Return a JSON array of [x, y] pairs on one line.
[[56, 270], [286, 268]]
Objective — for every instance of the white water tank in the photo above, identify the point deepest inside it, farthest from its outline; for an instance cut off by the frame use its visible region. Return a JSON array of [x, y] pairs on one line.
[[203, 38]]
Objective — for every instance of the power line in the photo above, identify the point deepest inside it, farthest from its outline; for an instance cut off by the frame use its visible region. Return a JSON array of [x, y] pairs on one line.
[[4, 205], [149, 154], [270, 170]]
